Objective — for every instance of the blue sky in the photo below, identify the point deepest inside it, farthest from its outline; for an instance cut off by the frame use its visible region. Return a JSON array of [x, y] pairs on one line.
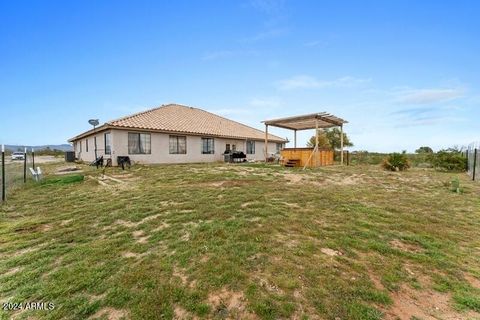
[[403, 73]]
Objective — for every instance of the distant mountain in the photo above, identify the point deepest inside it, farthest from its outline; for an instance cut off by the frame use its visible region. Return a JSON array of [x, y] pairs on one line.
[[62, 147]]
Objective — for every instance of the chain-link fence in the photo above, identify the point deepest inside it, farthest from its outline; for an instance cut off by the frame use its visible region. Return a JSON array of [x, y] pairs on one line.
[[473, 156], [14, 171]]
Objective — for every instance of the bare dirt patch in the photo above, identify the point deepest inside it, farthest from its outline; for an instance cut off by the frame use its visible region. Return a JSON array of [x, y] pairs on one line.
[[140, 236], [180, 273], [269, 286], [331, 252], [96, 297], [230, 305], [186, 236], [293, 177], [376, 282], [292, 205], [12, 271], [405, 247], [473, 281], [131, 224], [128, 224], [229, 183], [65, 222], [161, 226], [180, 313], [131, 255], [247, 204], [111, 314], [169, 203], [67, 170], [409, 303]]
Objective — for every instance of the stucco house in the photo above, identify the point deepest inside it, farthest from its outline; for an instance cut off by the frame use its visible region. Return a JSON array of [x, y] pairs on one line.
[[173, 133]]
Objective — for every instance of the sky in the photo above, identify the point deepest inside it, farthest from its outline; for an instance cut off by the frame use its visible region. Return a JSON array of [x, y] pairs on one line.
[[404, 74]]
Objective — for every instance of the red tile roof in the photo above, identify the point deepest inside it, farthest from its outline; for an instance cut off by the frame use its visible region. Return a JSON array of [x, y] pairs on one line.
[[188, 120]]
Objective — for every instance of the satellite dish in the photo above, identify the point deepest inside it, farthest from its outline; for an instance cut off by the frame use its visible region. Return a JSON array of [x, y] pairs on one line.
[[93, 122]]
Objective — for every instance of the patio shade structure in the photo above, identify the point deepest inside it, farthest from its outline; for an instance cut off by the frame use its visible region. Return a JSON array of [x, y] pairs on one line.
[[320, 120]]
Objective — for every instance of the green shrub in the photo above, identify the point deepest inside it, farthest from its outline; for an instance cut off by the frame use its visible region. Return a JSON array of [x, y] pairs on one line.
[[455, 185], [396, 162], [448, 160]]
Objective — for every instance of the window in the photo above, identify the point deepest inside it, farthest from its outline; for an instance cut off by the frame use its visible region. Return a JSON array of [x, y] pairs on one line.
[[178, 145], [86, 145], [234, 147], [80, 144], [108, 147], [208, 146], [227, 148], [250, 147], [279, 147], [139, 143]]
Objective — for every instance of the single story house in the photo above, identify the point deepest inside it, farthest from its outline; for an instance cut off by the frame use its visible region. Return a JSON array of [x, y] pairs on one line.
[[173, 133]]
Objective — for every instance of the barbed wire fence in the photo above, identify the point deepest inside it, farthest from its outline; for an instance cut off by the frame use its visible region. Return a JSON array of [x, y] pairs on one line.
[[14, 173], [473, 160]]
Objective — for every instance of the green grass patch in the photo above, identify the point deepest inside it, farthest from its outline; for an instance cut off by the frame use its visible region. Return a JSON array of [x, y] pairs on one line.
[[238, 241], [62, 180]]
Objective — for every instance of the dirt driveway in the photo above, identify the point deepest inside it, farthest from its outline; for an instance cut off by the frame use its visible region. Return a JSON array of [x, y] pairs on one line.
[[38, 159]]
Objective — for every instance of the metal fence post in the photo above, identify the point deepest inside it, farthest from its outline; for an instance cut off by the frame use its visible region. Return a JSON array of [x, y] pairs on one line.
[[25, 165], [3, 172], [474, 163], [33, 159]]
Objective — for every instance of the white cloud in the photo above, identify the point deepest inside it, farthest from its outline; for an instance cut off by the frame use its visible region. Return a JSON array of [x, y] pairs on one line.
[[309, 82], [428, 96], [271, 102]]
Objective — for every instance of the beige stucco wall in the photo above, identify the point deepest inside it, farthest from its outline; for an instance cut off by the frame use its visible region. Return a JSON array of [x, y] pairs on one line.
[[89, 156], [160, 149]]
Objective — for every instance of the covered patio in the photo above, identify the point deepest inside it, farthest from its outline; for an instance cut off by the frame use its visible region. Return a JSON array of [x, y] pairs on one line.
[[307, 157]]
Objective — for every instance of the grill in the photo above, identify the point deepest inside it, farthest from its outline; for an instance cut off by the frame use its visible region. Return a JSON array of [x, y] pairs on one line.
[[235, 156]]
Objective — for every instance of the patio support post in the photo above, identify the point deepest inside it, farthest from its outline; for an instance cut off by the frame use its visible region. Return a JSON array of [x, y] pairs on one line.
[[341, 144], [295, 138], [266, 143]]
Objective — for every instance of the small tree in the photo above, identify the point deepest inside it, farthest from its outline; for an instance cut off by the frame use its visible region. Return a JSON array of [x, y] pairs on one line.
[[323, 142], [450, 159], [332, 136], [424, 150]]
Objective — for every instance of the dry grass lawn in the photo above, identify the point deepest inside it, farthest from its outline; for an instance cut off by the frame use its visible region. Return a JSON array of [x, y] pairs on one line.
[[243, 242]]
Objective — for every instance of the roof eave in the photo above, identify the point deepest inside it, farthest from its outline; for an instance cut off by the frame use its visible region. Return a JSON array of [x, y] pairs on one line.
[[103, 127], [110, 126]]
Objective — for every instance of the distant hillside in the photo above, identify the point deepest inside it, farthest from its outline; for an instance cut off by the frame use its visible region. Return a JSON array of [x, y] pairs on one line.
[[62, 147]]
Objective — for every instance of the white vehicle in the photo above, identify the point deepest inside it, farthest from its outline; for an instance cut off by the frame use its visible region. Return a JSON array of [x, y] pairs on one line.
[[18, 156]]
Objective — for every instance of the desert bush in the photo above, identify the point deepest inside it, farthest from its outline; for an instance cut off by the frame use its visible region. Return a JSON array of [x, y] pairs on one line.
[[396, 162], [448, 160]]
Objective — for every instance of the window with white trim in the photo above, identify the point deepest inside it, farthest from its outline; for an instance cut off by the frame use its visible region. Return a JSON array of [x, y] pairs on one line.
[[108, 142]]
